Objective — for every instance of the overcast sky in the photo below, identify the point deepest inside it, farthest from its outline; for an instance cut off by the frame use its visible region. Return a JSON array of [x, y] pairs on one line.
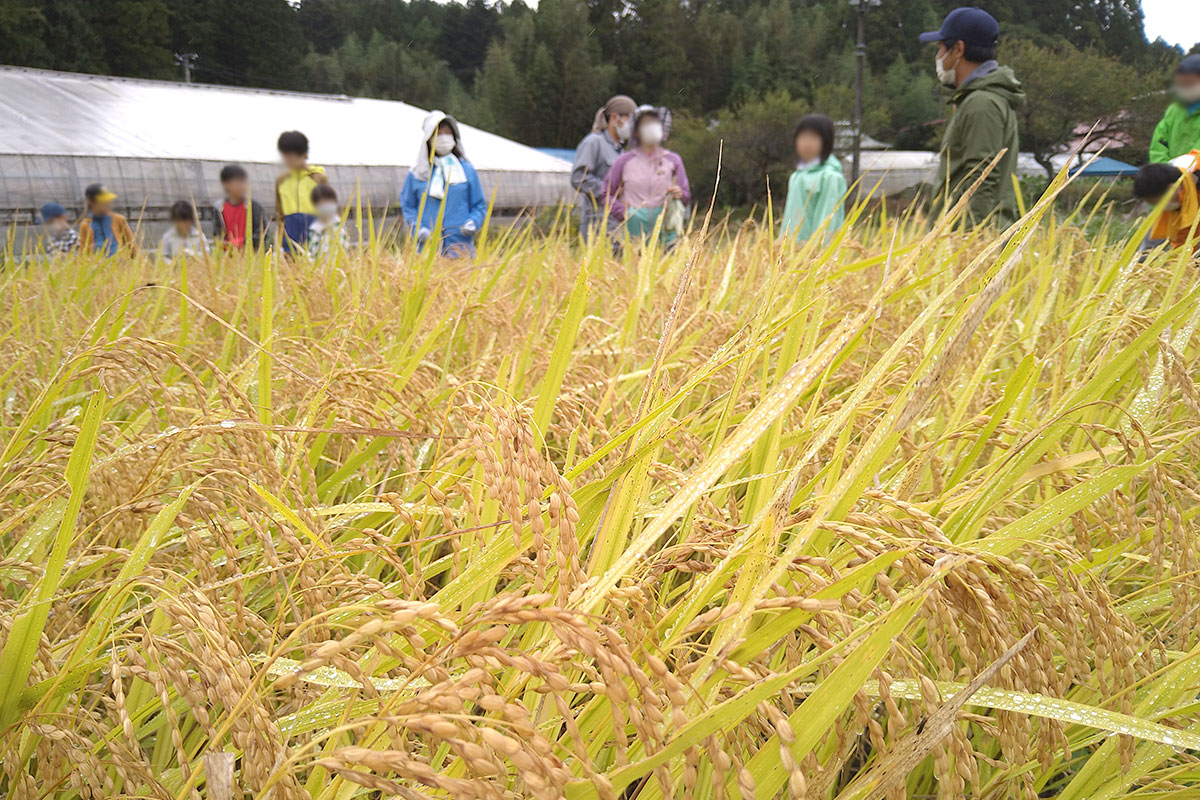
[[1176, 21]]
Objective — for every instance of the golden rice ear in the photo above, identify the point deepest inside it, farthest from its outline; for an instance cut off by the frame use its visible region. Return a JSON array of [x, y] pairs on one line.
[[904, 507]]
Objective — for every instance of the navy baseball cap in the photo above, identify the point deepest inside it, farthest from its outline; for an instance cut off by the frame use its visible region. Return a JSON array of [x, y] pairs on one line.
[[971, 25], [1189, 66], [52, 211]]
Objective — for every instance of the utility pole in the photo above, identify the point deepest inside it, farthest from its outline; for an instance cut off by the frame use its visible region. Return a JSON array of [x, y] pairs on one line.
[[860, 58], [186, 59]]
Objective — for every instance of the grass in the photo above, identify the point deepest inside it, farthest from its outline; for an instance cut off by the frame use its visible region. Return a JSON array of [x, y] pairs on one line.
[[912, 514]]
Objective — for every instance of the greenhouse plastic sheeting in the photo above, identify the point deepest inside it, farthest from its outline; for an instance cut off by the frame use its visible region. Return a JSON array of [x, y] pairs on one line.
[[155, 142]]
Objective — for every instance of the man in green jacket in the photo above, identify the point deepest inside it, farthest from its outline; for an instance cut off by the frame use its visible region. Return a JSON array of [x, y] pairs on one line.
[[1178, 133], [984, 121]]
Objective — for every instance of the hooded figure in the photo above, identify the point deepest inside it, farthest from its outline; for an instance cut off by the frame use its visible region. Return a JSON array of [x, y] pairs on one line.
[[816, 188], [442, 186], [1178, 132]]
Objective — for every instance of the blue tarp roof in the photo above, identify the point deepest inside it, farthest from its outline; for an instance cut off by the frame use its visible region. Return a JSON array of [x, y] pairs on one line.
[[1105, 167], [563, 153]]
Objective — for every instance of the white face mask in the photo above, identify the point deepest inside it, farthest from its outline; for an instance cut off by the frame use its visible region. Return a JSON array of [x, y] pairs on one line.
[[1188, 94], [946, 77], [651, 133], [1173, 205], [327, 210], [443, 143], [624, 130]]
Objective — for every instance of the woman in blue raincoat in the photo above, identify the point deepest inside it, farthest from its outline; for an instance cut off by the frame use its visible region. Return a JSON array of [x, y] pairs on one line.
[[441, 177]]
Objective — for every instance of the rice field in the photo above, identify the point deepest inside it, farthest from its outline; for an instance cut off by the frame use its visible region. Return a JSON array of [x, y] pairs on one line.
[[912, 514]]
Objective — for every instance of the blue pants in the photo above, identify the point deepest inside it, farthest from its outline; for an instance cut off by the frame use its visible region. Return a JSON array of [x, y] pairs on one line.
[[295, 232]]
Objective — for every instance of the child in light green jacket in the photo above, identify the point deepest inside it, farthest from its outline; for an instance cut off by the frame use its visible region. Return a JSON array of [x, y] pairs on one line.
[[816, 188]]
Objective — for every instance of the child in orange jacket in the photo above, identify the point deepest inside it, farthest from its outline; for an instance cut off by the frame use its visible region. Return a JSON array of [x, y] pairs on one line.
[[1180, 218], [101, 229]]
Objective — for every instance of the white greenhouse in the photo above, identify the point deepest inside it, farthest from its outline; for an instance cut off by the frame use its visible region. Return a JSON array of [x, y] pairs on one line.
[[157, 142]]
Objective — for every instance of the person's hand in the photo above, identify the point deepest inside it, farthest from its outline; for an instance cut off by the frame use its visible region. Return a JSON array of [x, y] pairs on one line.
[[469, 228], [675, 192], [423, 235]]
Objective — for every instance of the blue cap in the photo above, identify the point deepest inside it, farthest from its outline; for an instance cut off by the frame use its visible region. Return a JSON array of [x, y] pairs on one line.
[[1189, 66], [973, 26], [52, 210]]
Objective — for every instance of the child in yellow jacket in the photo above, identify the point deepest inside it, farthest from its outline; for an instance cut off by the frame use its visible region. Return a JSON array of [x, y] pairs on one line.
[[294, 210]]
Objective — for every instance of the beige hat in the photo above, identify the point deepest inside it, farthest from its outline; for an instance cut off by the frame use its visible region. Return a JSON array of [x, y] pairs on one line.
[[619, 104]]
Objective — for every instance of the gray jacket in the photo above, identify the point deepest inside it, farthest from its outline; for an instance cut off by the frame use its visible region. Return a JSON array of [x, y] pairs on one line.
[[593, 158]]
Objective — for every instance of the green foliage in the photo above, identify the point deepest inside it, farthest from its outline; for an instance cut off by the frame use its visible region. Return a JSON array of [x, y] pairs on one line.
[[385, 68], [754, 140], [911, 513], [538, 75], [1065, 88]]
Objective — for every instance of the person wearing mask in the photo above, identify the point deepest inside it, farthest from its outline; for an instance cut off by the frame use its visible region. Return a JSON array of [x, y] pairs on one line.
[[442, 178], [1179, 221], [1178, 133], [594, 157], [327, 234], [983, 124], [643, 183], [817, 187], [102, 229], [58, 237]]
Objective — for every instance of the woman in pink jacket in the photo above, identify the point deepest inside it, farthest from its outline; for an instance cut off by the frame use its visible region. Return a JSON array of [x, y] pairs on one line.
[[645, 182]]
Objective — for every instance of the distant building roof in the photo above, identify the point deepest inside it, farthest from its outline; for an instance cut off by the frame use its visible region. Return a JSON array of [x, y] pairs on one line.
[[843, 138], [561, 153], [1104, 167]]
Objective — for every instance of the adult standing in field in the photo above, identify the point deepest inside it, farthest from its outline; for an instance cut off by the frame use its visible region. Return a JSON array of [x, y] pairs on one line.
[[983, 124], [1178, 133], [102, 229], [594, 157], [442, 188], [649, 181]]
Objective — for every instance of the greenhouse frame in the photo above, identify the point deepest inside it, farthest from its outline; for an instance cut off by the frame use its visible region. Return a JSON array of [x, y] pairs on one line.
[[157, 142]]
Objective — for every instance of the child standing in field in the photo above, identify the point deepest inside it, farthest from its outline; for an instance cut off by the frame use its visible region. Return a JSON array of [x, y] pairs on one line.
[[236, 219], [183, 238], [649, 181], [816, 188], [57, 234], [1179, 221], [294, 210], [102, 229], [326, 234]]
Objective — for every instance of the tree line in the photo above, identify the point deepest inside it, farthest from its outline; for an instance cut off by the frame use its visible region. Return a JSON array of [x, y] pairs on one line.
[[740, 71]]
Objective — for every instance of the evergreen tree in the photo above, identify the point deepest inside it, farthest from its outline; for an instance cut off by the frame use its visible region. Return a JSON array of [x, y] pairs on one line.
[[537, 75]]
